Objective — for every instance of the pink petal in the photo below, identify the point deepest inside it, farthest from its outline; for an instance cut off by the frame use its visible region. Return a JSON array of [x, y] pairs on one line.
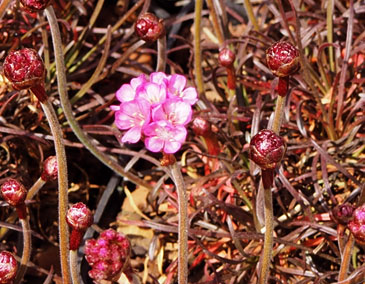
[[115, 108], [171, 147], [133, 135], [125, 93], [153, 93], [158, 78], [154, 144], [179, 133], [176, 84], [137, 82], [123, 121], [190, 95]]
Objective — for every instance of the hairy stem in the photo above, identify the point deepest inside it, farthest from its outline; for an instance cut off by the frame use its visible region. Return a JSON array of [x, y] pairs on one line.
[[215, 21], [35, 188], [62, 188], [183, 224], [161, 54], [27, 248], [75, 274], [278, 115], [62, 89], [251, 15], [346, 257], [197, 47]]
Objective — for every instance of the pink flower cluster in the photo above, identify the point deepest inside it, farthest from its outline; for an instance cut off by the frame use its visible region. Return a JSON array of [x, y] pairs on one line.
[[155, 110], [107, 255]]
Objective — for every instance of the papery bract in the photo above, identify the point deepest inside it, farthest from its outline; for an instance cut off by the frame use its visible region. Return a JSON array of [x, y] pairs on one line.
[[132, 116], [163, 136], [173, 110]]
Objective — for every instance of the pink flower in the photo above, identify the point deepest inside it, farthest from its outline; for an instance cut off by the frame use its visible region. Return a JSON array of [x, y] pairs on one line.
[[176, 88], [174, 110], [155, 94], [133, 115], [162, 135], [127, 92]]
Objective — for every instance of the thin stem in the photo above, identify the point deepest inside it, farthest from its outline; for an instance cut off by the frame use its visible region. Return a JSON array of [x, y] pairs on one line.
[[62, 188], [75, 274], [197, 47], [161, 54], [183, 224], [251, 15], [27, 248], [215, 21], [268, 239], [330, 6], [3, 6], [126, 54], [346, 257], [67, 109], [278, 115], [35, 188]]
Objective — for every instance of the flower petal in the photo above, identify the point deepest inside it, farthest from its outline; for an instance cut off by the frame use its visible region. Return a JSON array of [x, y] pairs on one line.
[[158, 78], [171, 147], [190, 95], [133, 135], [125, 93], [176, 84], [137, 82], [154, 144]]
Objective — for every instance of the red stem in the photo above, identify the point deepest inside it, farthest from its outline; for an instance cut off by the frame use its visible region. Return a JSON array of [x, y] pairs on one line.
[[75, 239], [267, 178], [283, 86], [21, 210], [39, 92]]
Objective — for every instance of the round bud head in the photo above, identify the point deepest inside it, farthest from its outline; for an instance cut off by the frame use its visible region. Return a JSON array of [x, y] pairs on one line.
[[24, 68], [79, 217], [13, 192], [201, 126], [35, 5], [8, 267], [343, 213], [50, 169], [283, 59], [149, 28], [226, 57], [357, 225], [267, 149]]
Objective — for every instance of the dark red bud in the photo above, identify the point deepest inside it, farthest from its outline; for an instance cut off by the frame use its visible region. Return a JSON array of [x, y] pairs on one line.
[[50, 169], [226, 57], [267, 149], [8, 267], [343, 213], [283, 59], [35, 5], [149, 28], [24, 68], [79, 217], [357, 225], [201, 127], [13, 192]]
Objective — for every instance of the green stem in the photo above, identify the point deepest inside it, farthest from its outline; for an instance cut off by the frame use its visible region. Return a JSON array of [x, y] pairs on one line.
[[268, 239], [67, 109], [278, 115], [215, 21], [251, 15], [27, 248], [75, 274], [346, 258], [330, 33], [161, 54], [62, 188], [183, 224], [197, 47], [35, 188]]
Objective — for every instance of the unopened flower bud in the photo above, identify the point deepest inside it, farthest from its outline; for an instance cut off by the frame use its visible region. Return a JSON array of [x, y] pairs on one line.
[[35, 5], [267, 149], [13, 192], [24, 68], [8, 267], [79, 217], [343, 213], [283, 59], [149, 28], [50, 169], [201, 126], [226, 57], [357, 225]]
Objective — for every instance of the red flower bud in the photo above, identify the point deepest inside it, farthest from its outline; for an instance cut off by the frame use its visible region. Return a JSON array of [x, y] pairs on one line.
[[13, 192], [357, 225], [267, 149], [226, 57], [343, 213], [283, 59], [201, 126], [50, 169], [149, 28], [8, 267], [35, 5], [25, 69], [79, 217]]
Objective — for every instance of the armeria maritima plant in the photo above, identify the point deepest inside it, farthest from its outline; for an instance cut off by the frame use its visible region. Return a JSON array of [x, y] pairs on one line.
[[226, 58], [15, 193], [35, 5], [149, 28], [8, 267], [107, 255], [50, 169]]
